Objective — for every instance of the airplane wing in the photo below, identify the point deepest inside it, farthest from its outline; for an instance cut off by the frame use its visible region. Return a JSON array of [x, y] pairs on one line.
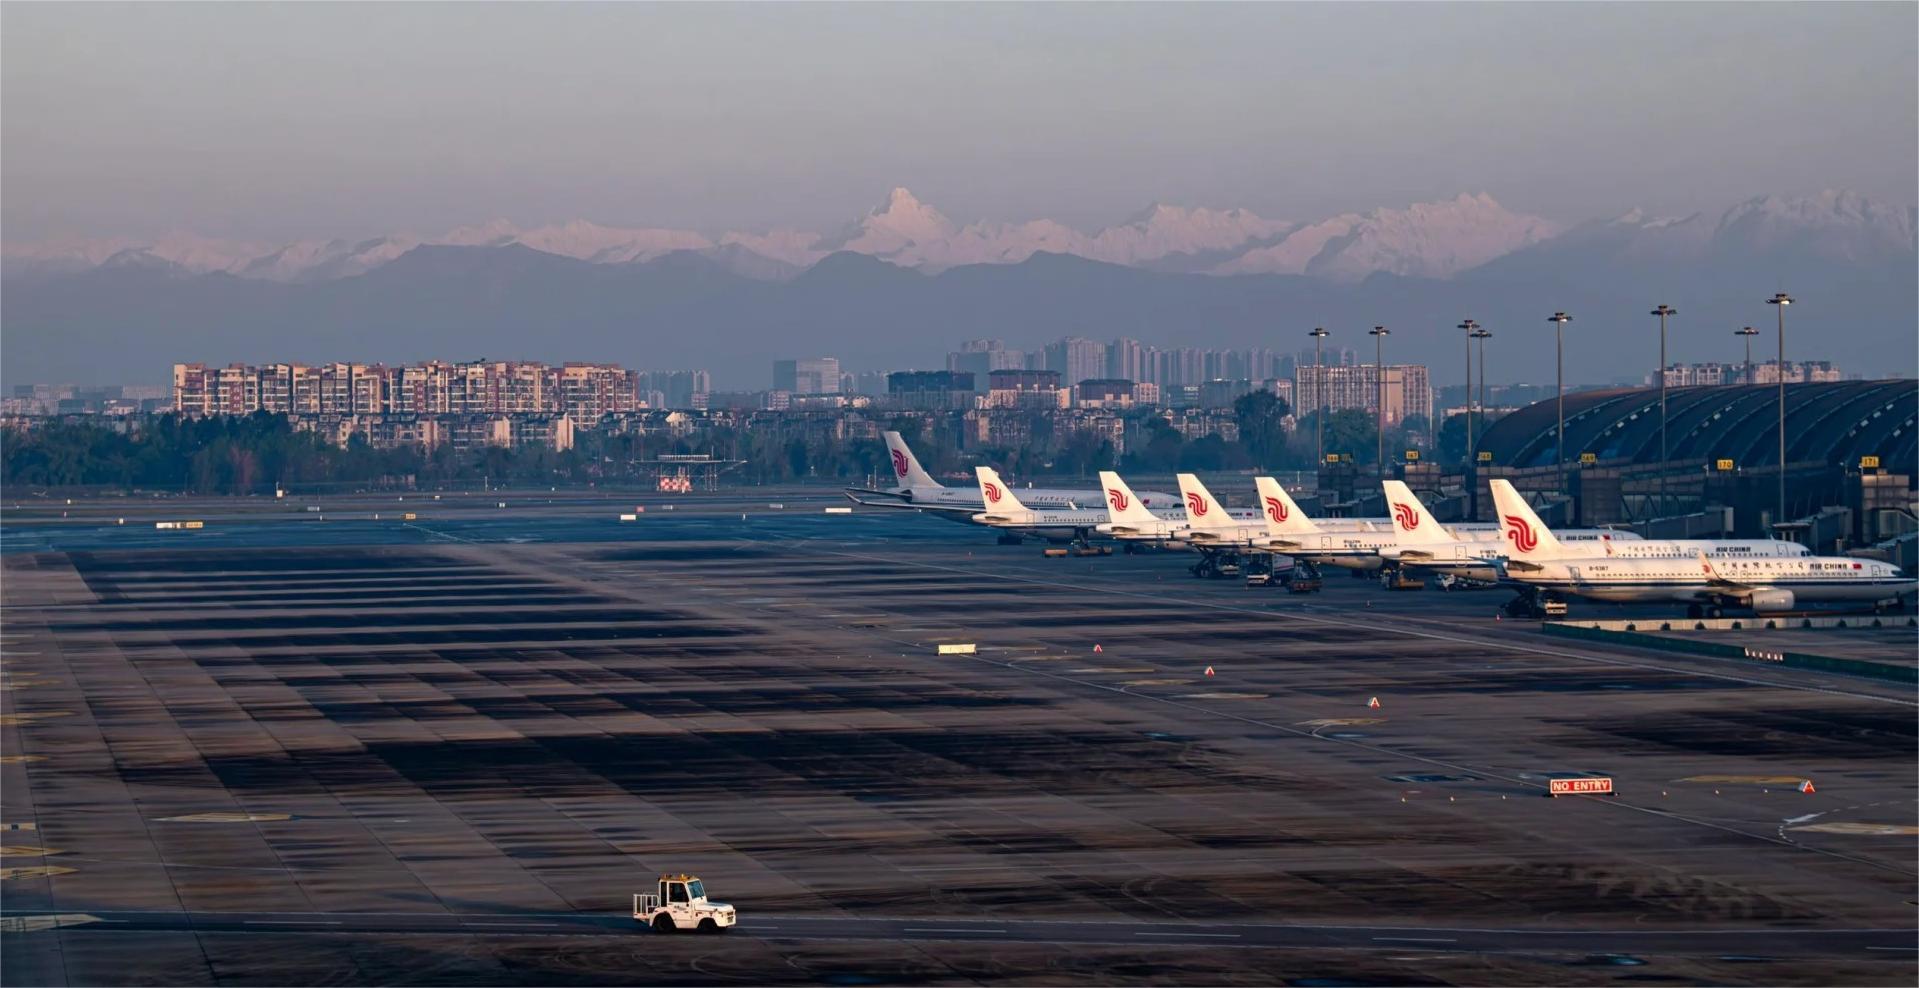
[[910, 506]]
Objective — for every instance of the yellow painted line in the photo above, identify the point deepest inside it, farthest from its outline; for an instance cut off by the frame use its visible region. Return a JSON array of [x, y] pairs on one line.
[[23, 684], [8, 720], [39, 871], [1863, 829], [19, 826], [224, 817], [21, 759], [1223, 696], [27, 851], [35, 924], [1342, 722], [1156, 682], [1756, 780]]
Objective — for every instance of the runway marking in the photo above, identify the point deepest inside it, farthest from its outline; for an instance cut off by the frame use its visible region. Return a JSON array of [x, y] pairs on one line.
[[1156, 682], [943, 929], [1221, 936], [1892, 948], [1416, 939], [19, 826], [294, 922], [35, 924], [1223, 696], [1862, 829], [21, 759], [9, 720], [227, 817], [28, 851], [40, 871], [1342, 722], [511, 925], [1757, 780]]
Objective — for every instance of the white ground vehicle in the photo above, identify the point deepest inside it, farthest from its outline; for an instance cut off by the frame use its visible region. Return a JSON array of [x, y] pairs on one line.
[[681, 904]]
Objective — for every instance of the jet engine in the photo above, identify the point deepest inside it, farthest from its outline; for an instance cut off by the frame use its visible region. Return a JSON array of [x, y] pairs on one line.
[[1771, 600]]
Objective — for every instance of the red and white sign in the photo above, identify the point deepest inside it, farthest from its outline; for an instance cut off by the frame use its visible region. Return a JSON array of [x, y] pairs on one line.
[[1598, 785]]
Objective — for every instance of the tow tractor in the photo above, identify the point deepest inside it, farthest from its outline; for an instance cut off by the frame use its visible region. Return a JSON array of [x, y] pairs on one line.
[[681, 904]]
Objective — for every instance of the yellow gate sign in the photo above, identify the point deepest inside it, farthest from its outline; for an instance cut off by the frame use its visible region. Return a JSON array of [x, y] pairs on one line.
[[1868, 463], [1485, 456], [1412, 456], [1723, 466], [1588, 459]]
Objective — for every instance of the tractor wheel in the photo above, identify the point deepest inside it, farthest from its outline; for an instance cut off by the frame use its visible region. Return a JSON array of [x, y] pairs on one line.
[[708, 927], [663, 924]]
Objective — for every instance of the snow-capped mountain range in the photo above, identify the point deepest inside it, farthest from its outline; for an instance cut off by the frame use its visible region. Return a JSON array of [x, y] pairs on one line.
[[1431, 240]]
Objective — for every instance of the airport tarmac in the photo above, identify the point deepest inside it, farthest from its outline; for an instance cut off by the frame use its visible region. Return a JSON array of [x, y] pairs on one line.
[[279, 750]]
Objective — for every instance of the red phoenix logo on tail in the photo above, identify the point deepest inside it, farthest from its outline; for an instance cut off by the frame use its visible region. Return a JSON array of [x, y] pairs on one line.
[[1117, 500], [1520, 533], [1195, 504], [1276, 509], [1406, 516], [899, 464], [992, 491]]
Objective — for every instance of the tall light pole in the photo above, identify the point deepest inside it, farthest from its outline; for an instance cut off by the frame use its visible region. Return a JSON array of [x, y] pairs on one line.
[[1559, 321], [1319, 395], [1781, 300], [1662, 312], [1748, 333], [1482, 336], [1472, 441], [1379, 334]]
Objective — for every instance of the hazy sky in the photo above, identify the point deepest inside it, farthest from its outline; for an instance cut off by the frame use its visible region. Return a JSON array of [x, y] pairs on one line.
[[283, 121]]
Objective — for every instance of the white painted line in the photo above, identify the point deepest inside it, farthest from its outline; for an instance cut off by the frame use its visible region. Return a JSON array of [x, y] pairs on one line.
[[1417, 939], [943, 929], [1222, 936], [290, 922], [514, 925]]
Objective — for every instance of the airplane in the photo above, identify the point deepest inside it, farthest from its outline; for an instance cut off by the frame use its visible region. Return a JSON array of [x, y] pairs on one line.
[[1004, 510], [918, 489], [1129, 520], [1763, 584], [1518, 523], [1414, 539]]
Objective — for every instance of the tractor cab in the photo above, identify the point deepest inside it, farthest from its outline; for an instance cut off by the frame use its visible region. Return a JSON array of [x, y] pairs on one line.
[[680, 903]]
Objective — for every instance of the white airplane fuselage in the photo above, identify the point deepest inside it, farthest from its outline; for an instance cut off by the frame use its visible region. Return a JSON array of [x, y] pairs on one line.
[[1762, 583]]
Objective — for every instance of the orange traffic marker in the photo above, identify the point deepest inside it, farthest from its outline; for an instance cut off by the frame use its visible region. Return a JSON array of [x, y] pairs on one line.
[[1209, 670], [1373, 703], [1806, 786], [1096, 647]]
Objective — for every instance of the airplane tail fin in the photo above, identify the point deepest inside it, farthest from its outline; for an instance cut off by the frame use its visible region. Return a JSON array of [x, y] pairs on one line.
[[1202, 509], [906, 466], [1123, 507], [1412, 523], [1283, 516], [995, 493], [1527, 536]]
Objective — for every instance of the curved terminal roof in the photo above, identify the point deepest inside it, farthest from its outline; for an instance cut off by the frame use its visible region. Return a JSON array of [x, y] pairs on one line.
[[1837, 422]]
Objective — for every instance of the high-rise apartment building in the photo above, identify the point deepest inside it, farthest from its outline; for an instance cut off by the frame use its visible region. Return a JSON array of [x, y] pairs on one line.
[[1077, 359], [1408, 390], [807, 376]]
